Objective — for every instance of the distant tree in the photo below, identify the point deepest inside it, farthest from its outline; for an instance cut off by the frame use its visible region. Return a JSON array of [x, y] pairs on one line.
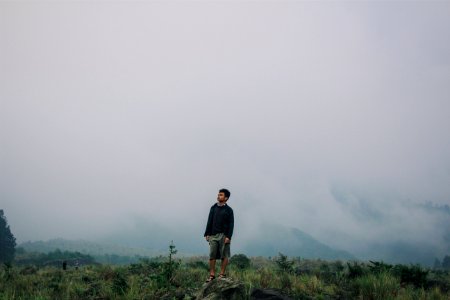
[[446, 263], [171, 265], [7, 240], [168, 268]]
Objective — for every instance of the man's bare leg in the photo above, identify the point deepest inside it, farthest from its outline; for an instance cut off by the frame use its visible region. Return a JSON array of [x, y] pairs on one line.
[[224, 265], [212, 267]]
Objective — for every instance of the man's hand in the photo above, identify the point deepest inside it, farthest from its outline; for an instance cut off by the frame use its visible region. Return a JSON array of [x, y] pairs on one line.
[[227, 240], [207, 238]]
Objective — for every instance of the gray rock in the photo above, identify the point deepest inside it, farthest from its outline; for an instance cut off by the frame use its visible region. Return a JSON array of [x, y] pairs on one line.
[[222, 289], [267, 294]]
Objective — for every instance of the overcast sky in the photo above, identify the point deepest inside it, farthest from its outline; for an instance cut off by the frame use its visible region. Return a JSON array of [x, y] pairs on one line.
[[112, 111]]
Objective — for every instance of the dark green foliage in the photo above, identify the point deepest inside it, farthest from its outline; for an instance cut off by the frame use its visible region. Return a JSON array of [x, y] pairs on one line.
[[198, 264], [9, 273], [408, 275], [165, 275], [305, 267], [120, 285], [355, 270], [241, 261], [439, 279], [325, 267], [29, 270], [332, 272], [146, 266], [414, 275], [7, 240], [337, 266], [325, 280], [169, 267], [284, 264], [55, 284], [87, 278], [379, 267]]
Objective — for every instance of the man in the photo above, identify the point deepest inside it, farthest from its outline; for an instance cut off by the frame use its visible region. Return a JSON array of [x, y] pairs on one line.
[[219, 230]]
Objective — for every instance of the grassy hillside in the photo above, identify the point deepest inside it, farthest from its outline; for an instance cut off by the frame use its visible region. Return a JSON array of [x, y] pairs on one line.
[[159, 278]]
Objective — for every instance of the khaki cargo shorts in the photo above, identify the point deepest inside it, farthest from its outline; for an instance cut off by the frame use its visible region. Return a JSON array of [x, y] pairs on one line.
[[217, 247]]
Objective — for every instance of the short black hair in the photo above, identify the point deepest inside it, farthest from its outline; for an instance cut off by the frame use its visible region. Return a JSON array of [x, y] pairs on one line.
[[226, 192]]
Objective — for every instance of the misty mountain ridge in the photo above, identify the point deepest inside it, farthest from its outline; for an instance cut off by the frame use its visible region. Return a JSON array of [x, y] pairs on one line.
[[434, 207], [276, 239], [152, 240], [392, 228], [291, 242]]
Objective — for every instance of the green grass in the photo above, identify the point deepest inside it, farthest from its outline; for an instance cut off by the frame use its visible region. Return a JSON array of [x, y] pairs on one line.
[[155, 279], [381, 286]]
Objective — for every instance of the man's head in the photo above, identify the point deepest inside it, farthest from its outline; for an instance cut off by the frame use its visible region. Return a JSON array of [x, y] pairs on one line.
[[223, 195]]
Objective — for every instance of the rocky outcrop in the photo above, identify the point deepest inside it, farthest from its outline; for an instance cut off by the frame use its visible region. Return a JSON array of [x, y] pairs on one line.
[[222, 289], [267, 294], [229, 289]]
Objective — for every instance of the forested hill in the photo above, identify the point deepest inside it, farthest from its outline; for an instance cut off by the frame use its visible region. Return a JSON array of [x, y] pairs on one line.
[[86, 247]]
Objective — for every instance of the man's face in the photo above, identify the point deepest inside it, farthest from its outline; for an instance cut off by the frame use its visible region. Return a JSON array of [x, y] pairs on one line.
[[221, 198]]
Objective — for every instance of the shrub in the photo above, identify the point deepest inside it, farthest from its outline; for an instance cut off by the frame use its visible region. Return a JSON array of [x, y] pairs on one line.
[[241, 261], [414, 275], [355, 270], [145, 267], [168, 268], [120, 285], [165, 275], [379, 267], [284, 265], [198, 264]]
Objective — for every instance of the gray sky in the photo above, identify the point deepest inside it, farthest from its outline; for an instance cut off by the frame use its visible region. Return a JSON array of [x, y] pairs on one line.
[[111, 111]]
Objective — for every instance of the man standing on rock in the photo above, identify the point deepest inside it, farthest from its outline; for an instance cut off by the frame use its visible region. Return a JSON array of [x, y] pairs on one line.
[[219, 230]]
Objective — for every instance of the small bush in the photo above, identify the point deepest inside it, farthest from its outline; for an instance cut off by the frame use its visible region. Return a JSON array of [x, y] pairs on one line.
[[284, 264], [120, 284], [241, 261], [414, 275], [355, 270], [379, 267], [198, 264], [146, 267], [30, 270]]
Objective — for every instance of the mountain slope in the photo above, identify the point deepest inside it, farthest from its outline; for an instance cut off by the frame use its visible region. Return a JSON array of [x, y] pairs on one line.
[[275, 239], [291, 242]]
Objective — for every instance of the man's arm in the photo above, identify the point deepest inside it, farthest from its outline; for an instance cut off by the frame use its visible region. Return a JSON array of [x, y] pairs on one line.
[[209, 223], [230, 227]]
